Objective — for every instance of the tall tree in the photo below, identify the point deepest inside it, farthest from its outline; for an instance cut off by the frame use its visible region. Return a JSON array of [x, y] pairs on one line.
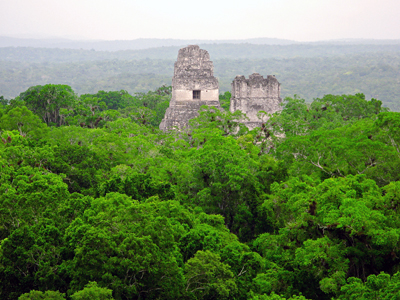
[[48, 100]]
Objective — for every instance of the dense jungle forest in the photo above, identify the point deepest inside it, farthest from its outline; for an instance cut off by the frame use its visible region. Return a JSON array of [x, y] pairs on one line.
[[97, 203], [308, 70]]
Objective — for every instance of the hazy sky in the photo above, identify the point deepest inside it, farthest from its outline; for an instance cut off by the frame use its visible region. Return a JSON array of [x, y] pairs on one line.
[[301, 20]]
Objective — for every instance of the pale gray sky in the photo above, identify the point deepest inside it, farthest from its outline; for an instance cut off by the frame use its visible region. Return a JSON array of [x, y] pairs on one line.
[[301, 20]]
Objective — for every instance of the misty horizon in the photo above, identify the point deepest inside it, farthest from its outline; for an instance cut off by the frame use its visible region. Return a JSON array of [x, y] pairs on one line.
[[301, 21], [81, 38]]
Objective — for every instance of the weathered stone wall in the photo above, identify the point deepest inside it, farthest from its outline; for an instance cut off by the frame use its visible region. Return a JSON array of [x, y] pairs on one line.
[[193, 72], [255, 94]]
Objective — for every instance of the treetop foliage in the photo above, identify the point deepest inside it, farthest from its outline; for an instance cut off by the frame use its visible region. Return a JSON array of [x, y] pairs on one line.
[[97, 203]]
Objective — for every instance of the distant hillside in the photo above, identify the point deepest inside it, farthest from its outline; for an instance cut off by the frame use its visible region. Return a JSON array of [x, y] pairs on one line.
[[359, 42], [375, 74], [136, 44], [217, 51]]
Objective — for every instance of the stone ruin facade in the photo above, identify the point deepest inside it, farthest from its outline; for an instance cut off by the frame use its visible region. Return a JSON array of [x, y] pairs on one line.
[[193, 85], [253, 95]]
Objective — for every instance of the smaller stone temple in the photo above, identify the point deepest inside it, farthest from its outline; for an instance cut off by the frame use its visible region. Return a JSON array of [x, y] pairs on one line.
[[253, 95], [193, 85]]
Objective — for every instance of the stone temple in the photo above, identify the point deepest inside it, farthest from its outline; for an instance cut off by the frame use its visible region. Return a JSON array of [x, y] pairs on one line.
[[193, 85], [255, 94]]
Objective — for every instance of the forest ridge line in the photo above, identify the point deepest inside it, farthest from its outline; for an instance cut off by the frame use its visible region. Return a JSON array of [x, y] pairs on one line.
[[308, 71], [145, 43]]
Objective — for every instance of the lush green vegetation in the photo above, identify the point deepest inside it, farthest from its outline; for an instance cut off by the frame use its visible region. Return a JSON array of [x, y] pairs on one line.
[[97, 203]]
